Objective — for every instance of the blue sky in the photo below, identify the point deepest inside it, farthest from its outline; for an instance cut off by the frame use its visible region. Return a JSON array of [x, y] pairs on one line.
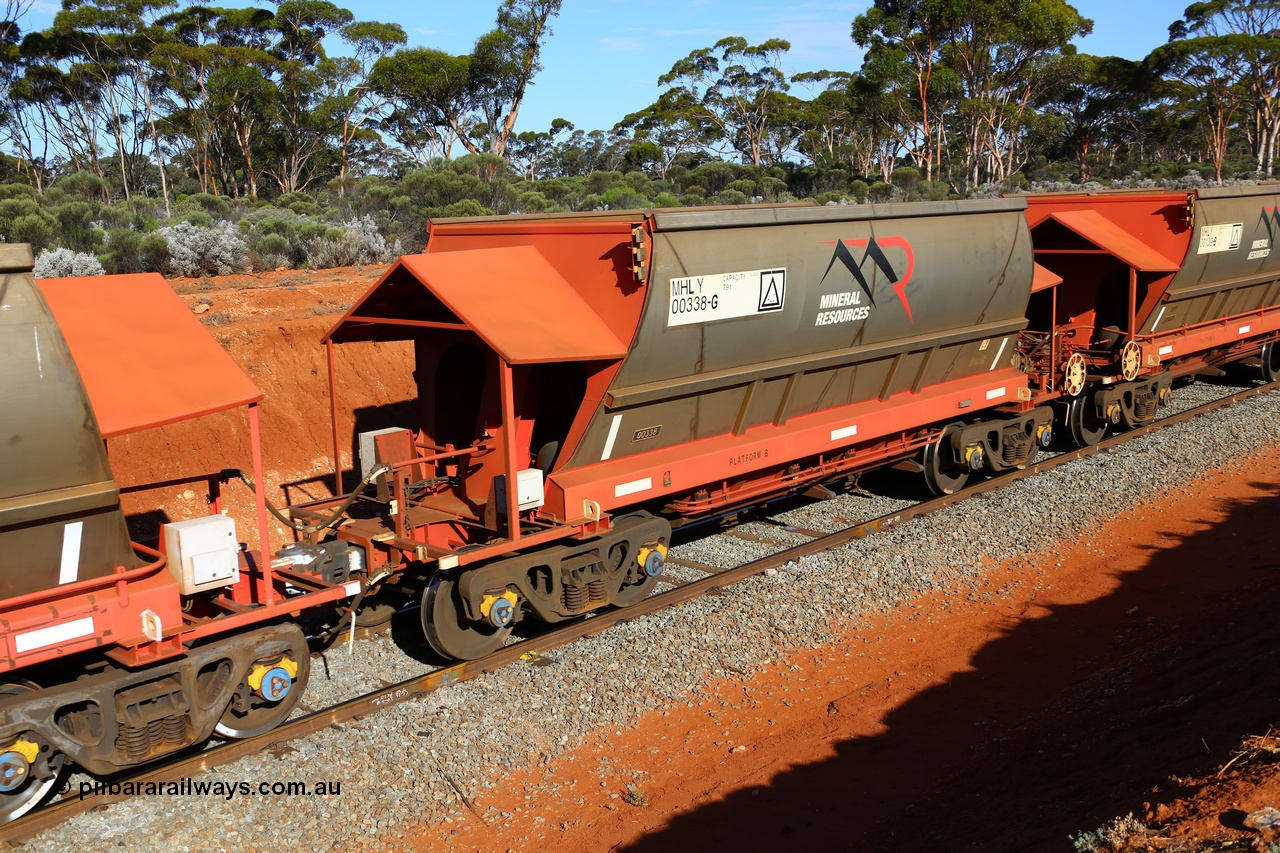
[[605, 56]]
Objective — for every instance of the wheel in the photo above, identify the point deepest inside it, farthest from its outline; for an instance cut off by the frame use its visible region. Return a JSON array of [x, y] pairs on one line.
[[941, 474], [448, 630], [1270, 362], [26, 792], [1130, 361], [1086, 427], [380, 606], [1074, 374], [375, 613], [619, 555], [629, 593], [257, 711]]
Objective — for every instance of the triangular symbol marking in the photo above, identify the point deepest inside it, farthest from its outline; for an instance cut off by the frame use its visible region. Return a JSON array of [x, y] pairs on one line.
[[771, 291]]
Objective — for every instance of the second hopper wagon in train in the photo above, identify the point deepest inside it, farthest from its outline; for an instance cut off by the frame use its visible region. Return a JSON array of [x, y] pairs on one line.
[[628, 370]]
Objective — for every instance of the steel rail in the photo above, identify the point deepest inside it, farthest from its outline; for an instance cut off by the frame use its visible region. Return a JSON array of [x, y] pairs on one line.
[[412, 688]]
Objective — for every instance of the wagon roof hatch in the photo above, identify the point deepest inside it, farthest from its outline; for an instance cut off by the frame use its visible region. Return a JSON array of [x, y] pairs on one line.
[[144, 358], [512, 297], [1112, 238]]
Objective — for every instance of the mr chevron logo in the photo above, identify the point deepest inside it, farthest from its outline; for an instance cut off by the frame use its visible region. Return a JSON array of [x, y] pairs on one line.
[[874, 250]]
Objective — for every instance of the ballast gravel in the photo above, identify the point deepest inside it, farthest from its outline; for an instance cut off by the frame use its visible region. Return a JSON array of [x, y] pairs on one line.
[[414, 763]]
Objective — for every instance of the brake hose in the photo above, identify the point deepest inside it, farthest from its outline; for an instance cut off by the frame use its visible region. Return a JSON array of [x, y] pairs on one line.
[[332, 520]]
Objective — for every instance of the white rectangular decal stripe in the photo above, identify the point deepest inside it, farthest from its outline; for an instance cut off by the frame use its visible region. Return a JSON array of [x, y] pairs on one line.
[[70, 569], [1159, 317], [624, 489], [351, 588], [1165, 350], [33, 640], [999, 352], [1244, 330], [996, 392], [725, 295], [844, 432], [1219, 238], [613, 436]]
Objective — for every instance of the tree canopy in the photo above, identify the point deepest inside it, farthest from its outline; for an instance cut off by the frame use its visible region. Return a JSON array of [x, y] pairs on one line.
[[124, 118]]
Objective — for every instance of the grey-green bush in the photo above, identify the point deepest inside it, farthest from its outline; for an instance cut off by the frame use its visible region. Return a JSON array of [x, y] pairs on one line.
[[61, 263]]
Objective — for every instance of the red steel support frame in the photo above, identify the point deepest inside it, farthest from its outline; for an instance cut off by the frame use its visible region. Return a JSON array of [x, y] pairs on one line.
[[333, 416], [510, 428], [1133, 303], [260, 500]]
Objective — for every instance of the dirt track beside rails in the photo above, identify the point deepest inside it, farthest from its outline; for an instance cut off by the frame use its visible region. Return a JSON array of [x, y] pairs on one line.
[[1116, 676]]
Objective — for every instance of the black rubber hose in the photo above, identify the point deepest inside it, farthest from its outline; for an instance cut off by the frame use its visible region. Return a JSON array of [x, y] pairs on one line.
[[236, 473]]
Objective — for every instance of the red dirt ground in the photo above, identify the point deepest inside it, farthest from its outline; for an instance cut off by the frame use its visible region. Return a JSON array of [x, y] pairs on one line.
[[1115, 676]]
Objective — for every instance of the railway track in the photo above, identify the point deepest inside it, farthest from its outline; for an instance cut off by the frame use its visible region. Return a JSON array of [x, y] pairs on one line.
[[712, 579]]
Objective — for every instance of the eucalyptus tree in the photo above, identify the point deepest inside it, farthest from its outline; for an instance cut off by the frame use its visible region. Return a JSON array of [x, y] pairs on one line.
[[674, 126], [1099, 105], [1210, 74], [1239, 38], [430, 100], [739, 89], [904, 70], [21, 137], [505, 61], [105, 45], [531, 152], [301, 129], [353, 104], [474, 99], [1008, 57]]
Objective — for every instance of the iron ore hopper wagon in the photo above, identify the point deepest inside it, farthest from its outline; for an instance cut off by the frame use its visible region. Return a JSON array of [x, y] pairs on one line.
[[586, 382], [115, 653], [1147, 288], [630, 371]]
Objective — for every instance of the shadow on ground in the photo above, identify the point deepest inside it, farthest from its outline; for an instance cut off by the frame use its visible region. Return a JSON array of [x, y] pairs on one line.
[[1061, 723]]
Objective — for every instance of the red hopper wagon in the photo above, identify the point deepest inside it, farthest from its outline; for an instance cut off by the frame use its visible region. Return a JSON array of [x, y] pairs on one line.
[[627, 370]]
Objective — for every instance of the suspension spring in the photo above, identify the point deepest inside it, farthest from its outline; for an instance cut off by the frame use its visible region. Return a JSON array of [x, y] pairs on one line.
[[574, 596], [596, 589]]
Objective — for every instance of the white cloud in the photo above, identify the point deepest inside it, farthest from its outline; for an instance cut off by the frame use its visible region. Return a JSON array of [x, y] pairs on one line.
[[702, 31], [624, 44]]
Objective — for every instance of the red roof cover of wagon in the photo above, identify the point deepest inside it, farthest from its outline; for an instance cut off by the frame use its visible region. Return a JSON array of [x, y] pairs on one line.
[[511, 296], [1107, 235], [145, 359], [1042, 278]]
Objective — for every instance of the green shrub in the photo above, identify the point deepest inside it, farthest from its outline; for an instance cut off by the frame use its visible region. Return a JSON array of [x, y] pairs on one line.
[[83, 184], [22, 190], [275, 226], [309, 230], [731, 197], [773, 189], [273, 244], [466, 207], [75, 226], [214, 204], [23, 221], [533, 202], [271, 252]]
